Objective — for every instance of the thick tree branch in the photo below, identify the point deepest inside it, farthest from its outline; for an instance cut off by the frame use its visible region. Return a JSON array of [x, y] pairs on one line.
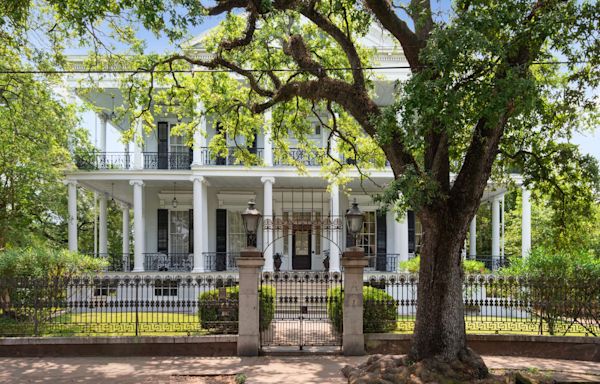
[[421, 15], [410, 42], [342, 39]]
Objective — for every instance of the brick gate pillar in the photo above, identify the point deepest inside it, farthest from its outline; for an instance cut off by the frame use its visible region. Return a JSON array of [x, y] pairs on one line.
[[250, 265], [354, 262]]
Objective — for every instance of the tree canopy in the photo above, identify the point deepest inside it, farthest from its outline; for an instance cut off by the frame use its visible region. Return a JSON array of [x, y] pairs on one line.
[[494, 86]]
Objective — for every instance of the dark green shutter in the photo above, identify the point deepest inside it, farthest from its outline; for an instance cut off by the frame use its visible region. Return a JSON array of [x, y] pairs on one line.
[[381, 241], [163, 231], [411, 231], [191, 231], [221, 258], [163, 145]]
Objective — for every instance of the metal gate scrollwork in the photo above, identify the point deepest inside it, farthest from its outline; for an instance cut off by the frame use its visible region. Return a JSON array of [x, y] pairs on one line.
[[305, 308]]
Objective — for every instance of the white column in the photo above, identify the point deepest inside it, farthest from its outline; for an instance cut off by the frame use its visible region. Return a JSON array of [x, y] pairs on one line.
[[125, 209], [525, 222], [199, 139], [103, 225], [138, 226], [334, 249], [72, 220], [268, 144], [401, 238], [138, 155], [102, 143], [268, 222], [473, 238], [205, 185], [496, 225], [199, 226]]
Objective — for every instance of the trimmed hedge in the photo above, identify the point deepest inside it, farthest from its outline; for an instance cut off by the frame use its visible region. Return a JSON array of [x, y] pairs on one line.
[[379, 314], [217, 316]]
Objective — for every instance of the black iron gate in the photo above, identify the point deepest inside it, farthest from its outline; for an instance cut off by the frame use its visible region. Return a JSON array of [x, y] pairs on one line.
[[304, 309]]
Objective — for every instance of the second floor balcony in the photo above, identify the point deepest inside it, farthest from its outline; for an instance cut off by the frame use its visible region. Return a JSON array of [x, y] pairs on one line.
[[184, 160]]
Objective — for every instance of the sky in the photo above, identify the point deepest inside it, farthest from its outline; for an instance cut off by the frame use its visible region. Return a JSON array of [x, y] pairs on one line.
[[589, 142]]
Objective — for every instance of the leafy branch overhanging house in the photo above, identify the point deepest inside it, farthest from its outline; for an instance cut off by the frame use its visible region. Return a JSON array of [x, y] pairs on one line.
[[187, 202]]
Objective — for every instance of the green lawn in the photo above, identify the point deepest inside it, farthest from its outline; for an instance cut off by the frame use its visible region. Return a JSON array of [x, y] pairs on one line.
[[485, 325], [111, 324]]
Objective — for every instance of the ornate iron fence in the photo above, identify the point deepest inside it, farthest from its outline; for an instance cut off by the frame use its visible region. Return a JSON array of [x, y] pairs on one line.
[[119, 305], [493, 304], [117, 262]]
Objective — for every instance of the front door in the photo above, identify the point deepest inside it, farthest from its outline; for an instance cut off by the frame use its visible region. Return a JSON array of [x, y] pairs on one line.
[[301, 246]]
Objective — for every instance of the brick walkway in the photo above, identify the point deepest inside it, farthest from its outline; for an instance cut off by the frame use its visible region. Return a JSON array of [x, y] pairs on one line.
[[289, 370]]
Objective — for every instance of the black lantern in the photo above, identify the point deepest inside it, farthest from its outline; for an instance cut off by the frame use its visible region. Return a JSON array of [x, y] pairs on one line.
[[354, 220], [251, 218]]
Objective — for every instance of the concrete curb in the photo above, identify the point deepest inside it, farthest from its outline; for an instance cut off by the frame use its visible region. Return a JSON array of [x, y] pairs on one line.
[[213, 345], [551, 347]]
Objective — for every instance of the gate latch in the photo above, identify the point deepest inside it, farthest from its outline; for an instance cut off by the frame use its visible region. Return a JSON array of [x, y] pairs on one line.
[[304, 310]]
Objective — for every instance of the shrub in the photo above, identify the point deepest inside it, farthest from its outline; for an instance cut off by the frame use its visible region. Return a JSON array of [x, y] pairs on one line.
[[46, 263], [544, 262], [563, 287], [473, 267], [411, 265], [470, 267], [45, 273], [219, 317], [379, 314]]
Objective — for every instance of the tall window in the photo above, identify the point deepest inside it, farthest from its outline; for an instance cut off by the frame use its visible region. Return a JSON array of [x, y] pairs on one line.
[[237, 234], [179, 152], [179, 231], [177, 143], [368, 235]]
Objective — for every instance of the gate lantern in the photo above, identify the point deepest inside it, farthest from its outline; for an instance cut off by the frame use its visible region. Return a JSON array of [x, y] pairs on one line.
[[354, 220], [251, 218]]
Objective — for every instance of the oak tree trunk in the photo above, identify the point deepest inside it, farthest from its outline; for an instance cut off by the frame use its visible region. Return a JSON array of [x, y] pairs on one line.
[[440, 325]]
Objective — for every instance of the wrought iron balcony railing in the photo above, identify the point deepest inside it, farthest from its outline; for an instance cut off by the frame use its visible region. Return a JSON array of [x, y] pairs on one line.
[[220, 261], [103, 160], [168, 160], [491, 263], [172, 262], [302, 156], [209, 157], [385, 262]]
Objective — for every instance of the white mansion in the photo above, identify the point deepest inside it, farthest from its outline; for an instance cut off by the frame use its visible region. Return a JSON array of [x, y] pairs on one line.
[[187, 203]]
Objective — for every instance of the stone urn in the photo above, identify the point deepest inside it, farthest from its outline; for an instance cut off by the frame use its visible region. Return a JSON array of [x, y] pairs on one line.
[[277, 261]]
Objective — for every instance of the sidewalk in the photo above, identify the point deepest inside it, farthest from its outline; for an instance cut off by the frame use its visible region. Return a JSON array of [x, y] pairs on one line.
[[259, 370]]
